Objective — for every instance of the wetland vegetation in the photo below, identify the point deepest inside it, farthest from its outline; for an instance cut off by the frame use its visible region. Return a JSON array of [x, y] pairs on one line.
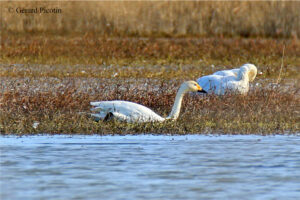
[[49, 74]]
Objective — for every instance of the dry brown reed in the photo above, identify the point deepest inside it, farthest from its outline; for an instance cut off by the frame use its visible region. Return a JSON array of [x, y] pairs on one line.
[[262, 111], [142, 58], [159, 18]]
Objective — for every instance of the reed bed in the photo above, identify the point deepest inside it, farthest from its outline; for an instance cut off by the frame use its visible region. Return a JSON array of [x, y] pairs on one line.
[[58, 110], [158, 18]]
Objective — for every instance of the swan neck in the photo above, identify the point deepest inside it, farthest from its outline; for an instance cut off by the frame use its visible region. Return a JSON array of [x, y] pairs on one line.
[[177, 104], [243, 75]]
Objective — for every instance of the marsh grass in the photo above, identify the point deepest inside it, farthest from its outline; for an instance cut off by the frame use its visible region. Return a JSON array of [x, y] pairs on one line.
[[158, 18], [53, 65], [57, 77], [262, 111], [100, 57]]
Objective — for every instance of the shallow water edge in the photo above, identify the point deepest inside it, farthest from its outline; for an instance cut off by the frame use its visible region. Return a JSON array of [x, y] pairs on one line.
[[150, 167]]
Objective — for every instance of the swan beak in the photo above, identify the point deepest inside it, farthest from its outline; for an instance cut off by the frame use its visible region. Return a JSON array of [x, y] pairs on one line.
[[200, 90]]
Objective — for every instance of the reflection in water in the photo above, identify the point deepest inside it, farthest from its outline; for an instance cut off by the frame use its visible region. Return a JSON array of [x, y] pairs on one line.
[[150, 167]]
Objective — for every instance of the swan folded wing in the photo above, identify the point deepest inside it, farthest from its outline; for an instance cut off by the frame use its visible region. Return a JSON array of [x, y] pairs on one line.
[[211, 83], [121, 117], [233, 81], [135, 117], [235, 87], [230, 72], [252, 71], [221, 85], [127, 111]]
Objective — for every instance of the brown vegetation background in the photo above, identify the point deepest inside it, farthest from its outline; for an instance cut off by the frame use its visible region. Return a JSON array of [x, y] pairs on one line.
[[53, 65], [159, 18]]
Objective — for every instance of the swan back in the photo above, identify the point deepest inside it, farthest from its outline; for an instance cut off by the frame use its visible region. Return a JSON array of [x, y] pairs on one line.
[[252, 71], [220, 85], [229, 72], [126, 111]]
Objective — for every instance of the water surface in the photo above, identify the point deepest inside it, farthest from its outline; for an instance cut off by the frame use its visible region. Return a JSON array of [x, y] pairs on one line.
[[150, 167]]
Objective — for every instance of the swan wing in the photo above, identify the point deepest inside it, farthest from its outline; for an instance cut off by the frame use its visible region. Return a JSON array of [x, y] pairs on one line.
[[126, 111], [235, 86], [220, 85], [230, 72], [225, 81], [252, 71], [211, 83]]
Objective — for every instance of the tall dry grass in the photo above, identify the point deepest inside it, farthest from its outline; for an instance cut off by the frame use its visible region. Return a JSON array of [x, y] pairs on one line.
[[159, 18]]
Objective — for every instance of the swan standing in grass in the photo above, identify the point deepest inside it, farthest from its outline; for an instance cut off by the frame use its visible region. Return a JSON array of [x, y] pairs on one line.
[[235, 80], [133, 112]]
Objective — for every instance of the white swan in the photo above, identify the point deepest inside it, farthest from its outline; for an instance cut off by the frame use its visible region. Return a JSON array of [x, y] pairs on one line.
[[235, 80], [234, 72], [133, 112]]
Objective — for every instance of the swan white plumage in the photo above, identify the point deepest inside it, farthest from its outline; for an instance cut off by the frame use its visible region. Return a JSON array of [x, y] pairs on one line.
[[133, 112], [234, 72], [235, 80]]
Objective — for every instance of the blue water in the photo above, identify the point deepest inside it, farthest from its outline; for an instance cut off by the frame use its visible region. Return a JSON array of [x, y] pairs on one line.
[[150, 167]]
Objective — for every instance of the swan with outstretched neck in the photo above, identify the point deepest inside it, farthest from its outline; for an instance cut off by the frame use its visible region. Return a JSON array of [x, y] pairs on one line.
[[133, 112], [229, 81]]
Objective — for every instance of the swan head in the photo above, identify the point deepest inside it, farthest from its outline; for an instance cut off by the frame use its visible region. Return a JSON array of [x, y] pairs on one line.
[[252, 71], [188, 86], [247, 72], [192, 86]]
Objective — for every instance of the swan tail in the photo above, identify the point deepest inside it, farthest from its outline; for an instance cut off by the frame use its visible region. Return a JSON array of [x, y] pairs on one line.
[[108, 116], [96, 117], [104, 111], [105, 106], [96, 109], [101, 116], [96, 103]]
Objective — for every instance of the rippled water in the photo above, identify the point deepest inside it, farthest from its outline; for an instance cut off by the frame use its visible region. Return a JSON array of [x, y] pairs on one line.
[[150, 167]]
